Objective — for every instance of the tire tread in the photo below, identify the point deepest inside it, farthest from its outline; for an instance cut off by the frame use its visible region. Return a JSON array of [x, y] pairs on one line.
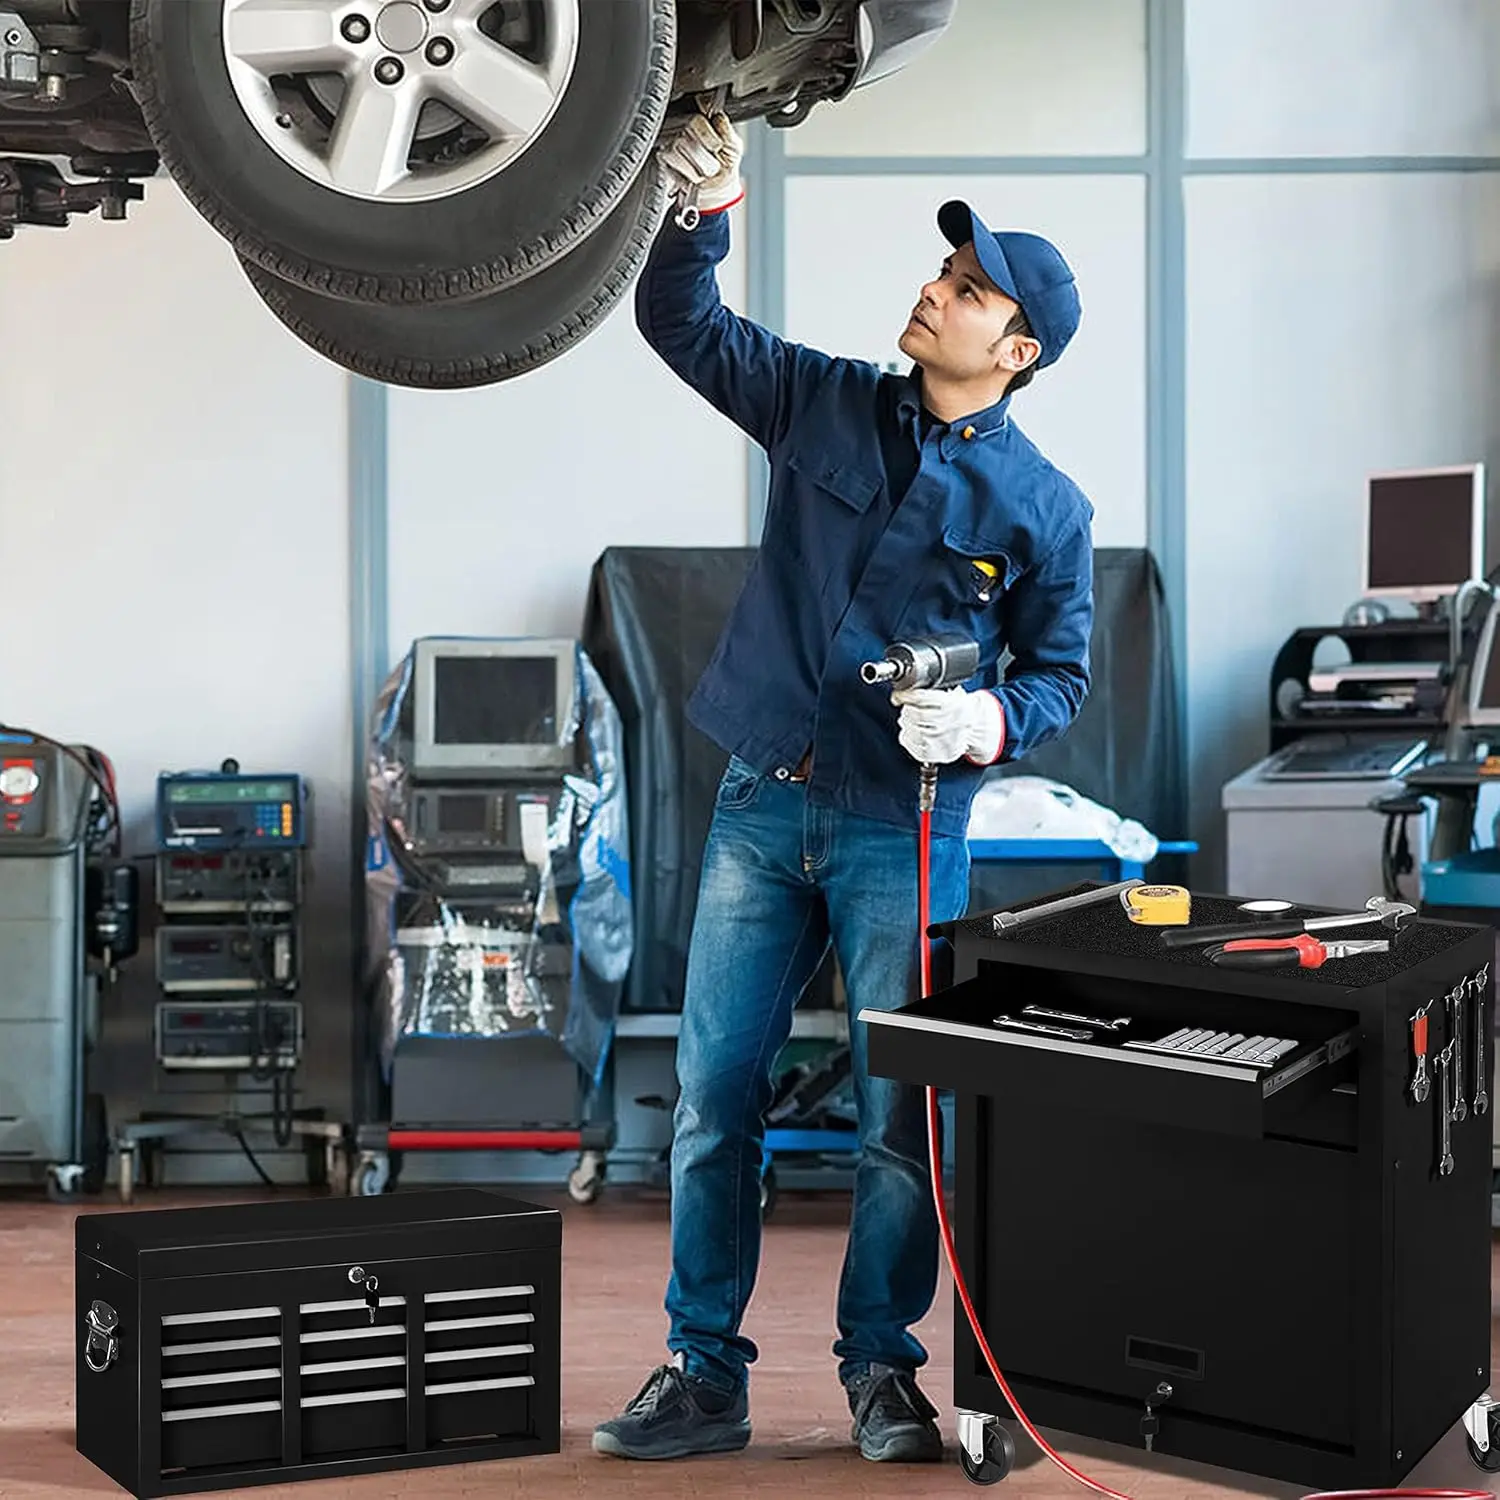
[[486, 369]]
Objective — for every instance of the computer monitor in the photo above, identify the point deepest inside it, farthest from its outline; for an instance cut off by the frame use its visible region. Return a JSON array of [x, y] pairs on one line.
[[493, 707], [1483, 699], [1424, 532]]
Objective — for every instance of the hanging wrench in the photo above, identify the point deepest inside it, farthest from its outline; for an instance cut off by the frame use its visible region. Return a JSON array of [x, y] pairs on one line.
[[1445, 1068], [1420, 1087], [1481, 1070], [1456, 1035]]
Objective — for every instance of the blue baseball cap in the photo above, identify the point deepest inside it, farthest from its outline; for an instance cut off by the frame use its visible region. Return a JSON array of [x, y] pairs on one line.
[[1027, 268]]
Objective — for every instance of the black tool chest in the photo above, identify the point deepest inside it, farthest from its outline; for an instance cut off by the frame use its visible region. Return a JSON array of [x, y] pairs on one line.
[[265, 1342], [1298, 1253]]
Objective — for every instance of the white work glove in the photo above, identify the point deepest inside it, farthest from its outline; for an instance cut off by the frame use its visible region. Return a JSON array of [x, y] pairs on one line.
[[704, 152], [940, 724]]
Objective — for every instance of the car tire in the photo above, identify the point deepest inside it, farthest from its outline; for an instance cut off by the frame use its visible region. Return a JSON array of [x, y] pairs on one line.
[[366, 247], [457, 345]]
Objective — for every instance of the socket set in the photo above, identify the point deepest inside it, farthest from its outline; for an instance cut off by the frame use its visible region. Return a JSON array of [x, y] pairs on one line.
[[1187, 1041], [1222, 1046]]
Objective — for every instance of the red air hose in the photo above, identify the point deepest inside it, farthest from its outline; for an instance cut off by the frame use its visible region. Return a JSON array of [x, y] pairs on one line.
[[935, 1165]]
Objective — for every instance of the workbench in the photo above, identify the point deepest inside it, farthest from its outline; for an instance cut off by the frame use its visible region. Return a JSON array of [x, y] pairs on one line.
[[1259, 1267]]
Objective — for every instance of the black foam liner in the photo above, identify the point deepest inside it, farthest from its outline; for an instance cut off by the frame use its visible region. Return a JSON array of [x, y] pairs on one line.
[[1104, 928]]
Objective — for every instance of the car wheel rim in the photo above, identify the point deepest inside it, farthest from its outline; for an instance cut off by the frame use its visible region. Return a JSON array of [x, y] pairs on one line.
[[400, 101]]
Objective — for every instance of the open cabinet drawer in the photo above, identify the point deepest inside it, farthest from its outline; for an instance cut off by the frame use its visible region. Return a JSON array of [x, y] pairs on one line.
[[1346, 1022], [953, 1040]]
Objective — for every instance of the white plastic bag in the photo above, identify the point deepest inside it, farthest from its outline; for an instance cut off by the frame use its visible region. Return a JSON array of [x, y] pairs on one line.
[[1033, 807]]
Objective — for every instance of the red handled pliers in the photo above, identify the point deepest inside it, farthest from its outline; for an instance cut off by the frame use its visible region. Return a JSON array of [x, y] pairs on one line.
[[1301, 952]]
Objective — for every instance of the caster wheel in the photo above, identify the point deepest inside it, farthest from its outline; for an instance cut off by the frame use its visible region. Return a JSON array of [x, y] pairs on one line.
[[372, 1177], [999, 1457], [586, 1180], [1490, 1461], [767, 1193], [1486, 1459], [65, 1182]]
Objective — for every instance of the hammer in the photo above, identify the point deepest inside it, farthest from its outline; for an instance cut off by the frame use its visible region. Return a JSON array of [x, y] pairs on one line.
[[1392, 916]]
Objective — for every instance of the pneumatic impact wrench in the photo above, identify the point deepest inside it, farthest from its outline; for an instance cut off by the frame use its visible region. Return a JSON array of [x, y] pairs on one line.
[[936, 661]]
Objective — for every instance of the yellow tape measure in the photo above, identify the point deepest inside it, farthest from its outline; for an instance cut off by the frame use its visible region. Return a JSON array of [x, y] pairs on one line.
[[1157, 905]]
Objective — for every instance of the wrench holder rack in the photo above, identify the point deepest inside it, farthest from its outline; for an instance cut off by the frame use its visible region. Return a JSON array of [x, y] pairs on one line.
[[1298, 1252], [262, 1343]]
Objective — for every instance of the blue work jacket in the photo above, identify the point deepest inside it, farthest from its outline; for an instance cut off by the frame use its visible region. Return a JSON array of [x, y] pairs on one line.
[[845, 567]]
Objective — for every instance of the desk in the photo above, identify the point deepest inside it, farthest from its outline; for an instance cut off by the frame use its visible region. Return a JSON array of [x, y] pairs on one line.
[[1278, 1246]]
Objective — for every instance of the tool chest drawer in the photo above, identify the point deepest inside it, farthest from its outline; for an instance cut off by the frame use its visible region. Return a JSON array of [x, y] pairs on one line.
[[376, 1333], [1092, 1012], [1133, 1069]]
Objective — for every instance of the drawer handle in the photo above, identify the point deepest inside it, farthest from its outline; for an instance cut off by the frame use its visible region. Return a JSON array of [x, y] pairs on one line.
[[103, 1342]]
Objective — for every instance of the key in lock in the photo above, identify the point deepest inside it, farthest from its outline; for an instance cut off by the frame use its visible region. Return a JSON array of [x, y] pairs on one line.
[[371, 1283]]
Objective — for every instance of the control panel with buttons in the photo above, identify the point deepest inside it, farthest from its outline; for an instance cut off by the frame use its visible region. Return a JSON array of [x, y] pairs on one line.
[[218, 810], [25, 787]]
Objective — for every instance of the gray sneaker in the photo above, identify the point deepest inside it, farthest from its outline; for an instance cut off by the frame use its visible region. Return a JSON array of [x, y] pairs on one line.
[[893, 1420], [675, 1416]]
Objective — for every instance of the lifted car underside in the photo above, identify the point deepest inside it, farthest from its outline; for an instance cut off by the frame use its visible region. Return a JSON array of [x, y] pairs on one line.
[[65, 89]]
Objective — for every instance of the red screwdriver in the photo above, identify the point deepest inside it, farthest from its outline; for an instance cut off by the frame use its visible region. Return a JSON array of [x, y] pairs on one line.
[[1301, 952]]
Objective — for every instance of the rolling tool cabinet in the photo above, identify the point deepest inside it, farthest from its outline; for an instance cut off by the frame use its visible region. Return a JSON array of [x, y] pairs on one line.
[[1281, 1269], [261, 1343]]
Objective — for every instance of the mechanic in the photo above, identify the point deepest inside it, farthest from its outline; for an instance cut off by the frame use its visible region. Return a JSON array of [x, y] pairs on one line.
[[900, 506]]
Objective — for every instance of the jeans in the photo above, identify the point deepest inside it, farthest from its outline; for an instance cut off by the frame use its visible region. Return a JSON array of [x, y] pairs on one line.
[[781, 879]]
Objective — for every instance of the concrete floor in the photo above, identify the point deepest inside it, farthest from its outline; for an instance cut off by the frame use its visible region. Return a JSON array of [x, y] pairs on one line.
[[615, 1265]]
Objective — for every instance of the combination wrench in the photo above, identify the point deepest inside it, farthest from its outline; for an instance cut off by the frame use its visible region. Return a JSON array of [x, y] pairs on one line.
[[1043, 1013], [1445, 1078], [1460, 1110], [1481, 1074]]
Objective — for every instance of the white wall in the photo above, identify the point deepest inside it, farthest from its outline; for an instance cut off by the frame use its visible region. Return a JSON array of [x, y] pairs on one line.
[[1338, 324], [502, 498], [1343, 78], [173, 525]]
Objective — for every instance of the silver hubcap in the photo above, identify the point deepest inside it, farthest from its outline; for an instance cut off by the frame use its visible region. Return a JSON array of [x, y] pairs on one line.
[[400, 101]]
